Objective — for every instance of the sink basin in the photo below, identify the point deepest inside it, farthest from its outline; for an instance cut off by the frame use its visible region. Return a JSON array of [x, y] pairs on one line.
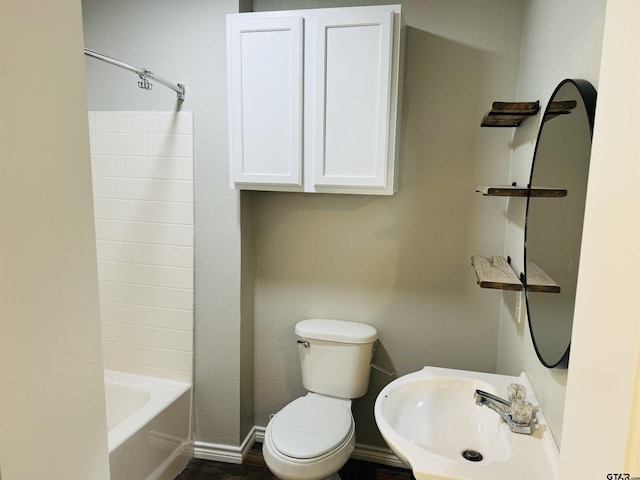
[[431, 422]]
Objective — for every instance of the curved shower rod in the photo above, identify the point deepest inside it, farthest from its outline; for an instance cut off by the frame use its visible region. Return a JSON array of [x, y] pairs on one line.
[[143, 73]]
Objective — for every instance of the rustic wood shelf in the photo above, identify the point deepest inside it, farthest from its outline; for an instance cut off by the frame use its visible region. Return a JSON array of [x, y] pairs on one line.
[[509, 114], [515, 191], [497, 273], [559, 108], [539, 281]]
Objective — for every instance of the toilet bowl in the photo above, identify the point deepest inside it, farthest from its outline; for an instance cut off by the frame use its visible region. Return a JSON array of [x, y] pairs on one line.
[[310, 439], [313, 436]]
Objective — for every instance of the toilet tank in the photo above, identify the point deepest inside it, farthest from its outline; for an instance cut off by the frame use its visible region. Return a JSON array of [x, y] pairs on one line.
[[335, 356]]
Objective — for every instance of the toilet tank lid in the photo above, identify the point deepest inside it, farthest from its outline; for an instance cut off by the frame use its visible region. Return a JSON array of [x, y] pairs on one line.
[[340, 331]]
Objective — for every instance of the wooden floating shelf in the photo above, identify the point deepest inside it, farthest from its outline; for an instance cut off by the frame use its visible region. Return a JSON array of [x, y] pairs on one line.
[[497, 273], [539, 281], [515, 191], [559, 108], [510, 114]]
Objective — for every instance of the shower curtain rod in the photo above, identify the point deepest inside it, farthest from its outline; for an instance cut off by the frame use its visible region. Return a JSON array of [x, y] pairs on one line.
[[143, 73]]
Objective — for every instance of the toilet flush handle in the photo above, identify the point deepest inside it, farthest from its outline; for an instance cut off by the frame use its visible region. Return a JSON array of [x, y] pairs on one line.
[[304, 343]]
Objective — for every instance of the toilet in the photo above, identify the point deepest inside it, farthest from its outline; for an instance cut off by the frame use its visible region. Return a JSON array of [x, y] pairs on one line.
[[312, 437]]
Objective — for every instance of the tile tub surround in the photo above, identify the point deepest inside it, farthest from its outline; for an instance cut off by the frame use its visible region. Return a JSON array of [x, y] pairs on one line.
[[143, 176]]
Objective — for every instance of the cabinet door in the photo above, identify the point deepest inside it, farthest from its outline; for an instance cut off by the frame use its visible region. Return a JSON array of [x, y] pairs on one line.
[[264, 61], [350, 89]]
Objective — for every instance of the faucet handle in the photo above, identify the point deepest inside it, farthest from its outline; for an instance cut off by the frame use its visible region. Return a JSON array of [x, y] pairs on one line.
[[515, 391], [521, 411]]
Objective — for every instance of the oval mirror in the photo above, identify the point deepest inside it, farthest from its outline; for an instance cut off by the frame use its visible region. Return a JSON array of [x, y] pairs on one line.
[[553, 226]]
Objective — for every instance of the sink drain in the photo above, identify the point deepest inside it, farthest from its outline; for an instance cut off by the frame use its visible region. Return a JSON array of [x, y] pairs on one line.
[[472, 456]]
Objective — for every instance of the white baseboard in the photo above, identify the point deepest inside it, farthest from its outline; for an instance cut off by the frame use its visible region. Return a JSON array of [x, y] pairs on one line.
[[260, 433], [370, 453], [231, 454], [225, 453]]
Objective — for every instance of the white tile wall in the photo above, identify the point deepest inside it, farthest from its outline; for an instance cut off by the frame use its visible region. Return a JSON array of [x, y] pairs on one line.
[[142, 165]]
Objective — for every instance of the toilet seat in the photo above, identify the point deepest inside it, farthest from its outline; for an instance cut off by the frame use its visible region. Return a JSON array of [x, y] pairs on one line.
[[311, 427]]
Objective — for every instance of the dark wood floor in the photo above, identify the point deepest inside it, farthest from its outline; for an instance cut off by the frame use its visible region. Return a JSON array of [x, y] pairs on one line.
[[254, 468]]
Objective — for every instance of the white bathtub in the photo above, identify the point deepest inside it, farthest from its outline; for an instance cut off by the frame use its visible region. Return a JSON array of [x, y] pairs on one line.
[[149, 426]]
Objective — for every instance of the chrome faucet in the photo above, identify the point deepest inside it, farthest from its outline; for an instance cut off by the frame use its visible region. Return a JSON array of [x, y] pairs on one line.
[[517, 412]]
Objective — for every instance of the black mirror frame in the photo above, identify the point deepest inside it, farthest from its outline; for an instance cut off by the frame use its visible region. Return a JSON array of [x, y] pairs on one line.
[[588, 95]]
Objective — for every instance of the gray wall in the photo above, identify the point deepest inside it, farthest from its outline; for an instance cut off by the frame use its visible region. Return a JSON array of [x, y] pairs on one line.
[[560, 40], [185, 42], [400, 263]]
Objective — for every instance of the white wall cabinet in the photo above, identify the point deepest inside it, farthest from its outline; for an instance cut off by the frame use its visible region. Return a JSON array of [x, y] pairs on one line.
[[314, 99]]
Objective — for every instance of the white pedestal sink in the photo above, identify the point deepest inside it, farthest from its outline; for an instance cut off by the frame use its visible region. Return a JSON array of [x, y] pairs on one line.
[[431, 422]]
